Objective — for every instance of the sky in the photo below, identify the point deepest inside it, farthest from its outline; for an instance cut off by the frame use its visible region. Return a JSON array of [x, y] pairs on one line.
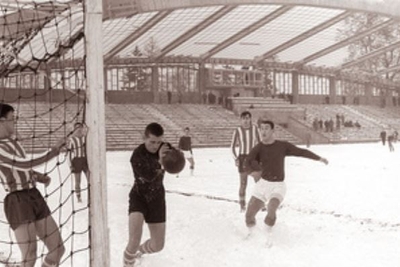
[[342, 214]]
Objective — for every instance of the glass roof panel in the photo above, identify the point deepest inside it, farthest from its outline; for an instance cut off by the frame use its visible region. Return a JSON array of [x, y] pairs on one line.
[[170, 28], [57, 31], [236, 20], [318, 42], [286, 27], [11, 6], [333, 59], [114, 32]]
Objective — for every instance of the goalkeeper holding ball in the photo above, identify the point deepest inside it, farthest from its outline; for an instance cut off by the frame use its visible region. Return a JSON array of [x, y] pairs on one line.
[[147, 196]]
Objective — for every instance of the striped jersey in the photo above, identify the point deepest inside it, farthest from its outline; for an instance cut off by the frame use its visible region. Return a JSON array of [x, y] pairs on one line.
[[16, 167], [77, 147], [246, 138]]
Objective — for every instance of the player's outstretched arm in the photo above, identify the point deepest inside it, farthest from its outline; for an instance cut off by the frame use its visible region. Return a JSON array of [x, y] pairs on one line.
[[324, 160], [12, 161]]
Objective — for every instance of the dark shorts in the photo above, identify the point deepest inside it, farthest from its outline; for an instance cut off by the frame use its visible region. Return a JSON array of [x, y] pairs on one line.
[[79, 164], [242, 163], [25, 206], [153, 208]]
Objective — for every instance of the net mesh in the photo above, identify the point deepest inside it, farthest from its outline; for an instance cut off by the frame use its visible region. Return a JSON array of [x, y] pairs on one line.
[[44, 82]]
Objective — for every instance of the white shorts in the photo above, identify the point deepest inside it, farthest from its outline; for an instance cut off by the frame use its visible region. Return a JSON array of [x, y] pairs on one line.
[[265, 190], [187, 154]]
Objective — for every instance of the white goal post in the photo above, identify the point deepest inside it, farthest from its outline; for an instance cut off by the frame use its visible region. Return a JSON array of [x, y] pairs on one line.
[[95, 119]]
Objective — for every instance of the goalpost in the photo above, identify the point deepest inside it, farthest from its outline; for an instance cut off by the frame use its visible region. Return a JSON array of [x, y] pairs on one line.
[[51, 72], [96, 121]]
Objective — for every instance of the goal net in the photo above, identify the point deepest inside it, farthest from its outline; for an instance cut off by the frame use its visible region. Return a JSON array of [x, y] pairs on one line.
[[43, 77]]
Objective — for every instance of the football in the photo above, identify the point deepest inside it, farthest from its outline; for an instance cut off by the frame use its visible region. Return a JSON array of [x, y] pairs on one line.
[[173, 161]]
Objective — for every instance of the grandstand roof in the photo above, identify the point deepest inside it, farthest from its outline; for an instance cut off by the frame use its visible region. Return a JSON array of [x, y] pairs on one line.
[[243, 32]]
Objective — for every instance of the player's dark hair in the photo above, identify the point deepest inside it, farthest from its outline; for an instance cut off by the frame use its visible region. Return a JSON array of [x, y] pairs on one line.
[[154, 128], [245, 114], [5, 109], [266, 121]]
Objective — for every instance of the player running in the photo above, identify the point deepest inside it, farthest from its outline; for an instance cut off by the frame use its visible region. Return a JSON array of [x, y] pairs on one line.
[[269, 158]]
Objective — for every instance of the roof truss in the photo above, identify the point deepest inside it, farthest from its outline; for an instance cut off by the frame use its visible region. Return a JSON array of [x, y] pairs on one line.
[[136, 34], [347, 41], [373, 54], [303, 36], [195, 30], [246, 31]]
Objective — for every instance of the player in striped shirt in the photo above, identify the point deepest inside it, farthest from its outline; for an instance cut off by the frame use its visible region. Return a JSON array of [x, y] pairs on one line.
[[246, 137], [24, 206], [77, 156]]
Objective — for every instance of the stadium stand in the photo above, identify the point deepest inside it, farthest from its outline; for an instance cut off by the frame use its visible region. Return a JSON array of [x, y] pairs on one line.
[[211, 125]]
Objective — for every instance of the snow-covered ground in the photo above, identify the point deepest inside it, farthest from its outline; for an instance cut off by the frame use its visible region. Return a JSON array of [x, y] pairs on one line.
[[346, 213]]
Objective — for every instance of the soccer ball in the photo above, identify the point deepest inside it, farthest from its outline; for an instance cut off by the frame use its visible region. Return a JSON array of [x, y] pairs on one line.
[[173, 161]]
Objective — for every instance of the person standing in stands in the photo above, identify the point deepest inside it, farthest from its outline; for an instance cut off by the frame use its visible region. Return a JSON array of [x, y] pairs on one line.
[[25, 208], [169, 97], [185, 145], [383, 137], [246, 136], [390, 140]]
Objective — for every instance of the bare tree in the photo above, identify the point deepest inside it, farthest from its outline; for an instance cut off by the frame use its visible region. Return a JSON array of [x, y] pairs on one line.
[[151, 48], [359, 22]]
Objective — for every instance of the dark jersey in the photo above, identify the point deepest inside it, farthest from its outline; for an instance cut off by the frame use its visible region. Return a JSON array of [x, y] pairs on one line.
[[271, 159], [147, 171], [185, 143]]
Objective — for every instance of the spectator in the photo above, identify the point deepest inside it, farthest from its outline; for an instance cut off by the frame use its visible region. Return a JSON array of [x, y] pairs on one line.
[[390, 143], [315, 124], [204, 97], [326, 124], [321, 124], [396, 136], [169, 96], [331, 125], [179, 97], [308, 139], [383, 137]]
